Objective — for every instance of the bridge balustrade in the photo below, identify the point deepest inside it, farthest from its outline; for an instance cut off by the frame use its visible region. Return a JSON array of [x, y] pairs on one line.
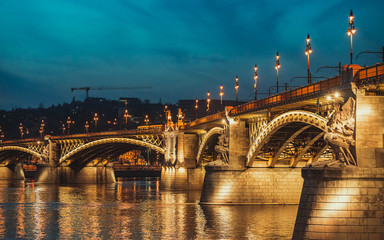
[[206, 119], [289, 95], [371, 71]]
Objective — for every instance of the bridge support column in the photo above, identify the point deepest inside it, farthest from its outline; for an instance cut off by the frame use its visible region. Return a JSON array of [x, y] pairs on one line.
[[88, 174], [341, 203], [348, 202], [233, 185], [14, 172], [65, 174], [238, 143], [185, 175]]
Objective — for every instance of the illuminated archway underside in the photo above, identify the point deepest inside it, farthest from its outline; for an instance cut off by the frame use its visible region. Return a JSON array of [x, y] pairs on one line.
[[111, 141], [20, 149], [279, 122], [207, 136]]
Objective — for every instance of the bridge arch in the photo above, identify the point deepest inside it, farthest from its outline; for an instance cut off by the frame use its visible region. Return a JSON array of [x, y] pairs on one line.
[[100, 142], [206, 138], [19, 149], [280, 121]]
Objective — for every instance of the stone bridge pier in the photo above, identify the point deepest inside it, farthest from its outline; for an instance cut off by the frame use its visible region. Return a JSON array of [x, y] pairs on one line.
[[234, 183], [96, 171], [12, 172], [181, 171], [347, 202]]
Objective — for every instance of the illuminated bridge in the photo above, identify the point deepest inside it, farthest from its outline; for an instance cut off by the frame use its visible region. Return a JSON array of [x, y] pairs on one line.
[[281, 132]]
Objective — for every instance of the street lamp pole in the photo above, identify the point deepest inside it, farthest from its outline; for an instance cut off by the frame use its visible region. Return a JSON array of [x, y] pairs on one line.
[[277, 71], [221, 94], [351, 30], [126, 115], [237, 88], [208, 100], [255, 84], [96, 118], [308, 51]]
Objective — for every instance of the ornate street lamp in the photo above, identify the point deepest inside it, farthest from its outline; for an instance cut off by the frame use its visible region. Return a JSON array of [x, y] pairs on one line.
[[221, 94], [96, 118], [63, 128], [21, 128], [237, 88], [42, 125], [351, 29], [277, 67], [69, 124], [308, 51], [208, 100], [146, 120], [86, 126], [255, 84], [126, 116]]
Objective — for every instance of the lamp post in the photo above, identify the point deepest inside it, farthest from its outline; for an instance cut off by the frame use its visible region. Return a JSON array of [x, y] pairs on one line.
[[63, 128], [255, 84], [196, 106], [21, 130], [86, 126], [69, 124], [146, 120], [208, 100], [1, 135], [351, 30], [126, 115], [308, 51], [42, 125], [237, 88], [95, 118], [277, 71], [221, 94]]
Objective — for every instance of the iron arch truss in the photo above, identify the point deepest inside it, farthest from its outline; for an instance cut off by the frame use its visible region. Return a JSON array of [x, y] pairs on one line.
[[207, 136], [19, 149], [277, 123], [98, 143]]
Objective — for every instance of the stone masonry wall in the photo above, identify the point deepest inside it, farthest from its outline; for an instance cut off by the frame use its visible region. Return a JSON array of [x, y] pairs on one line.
[[345, 203], [238, 143], [369, 130], [252, 186]]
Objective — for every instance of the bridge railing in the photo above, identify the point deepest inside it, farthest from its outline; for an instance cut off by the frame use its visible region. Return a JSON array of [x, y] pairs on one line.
[[206, 119], [289, 95], [369, 72], [112, 133]]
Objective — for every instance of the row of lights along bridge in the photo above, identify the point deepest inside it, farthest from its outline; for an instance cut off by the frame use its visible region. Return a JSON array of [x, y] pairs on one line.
[[308, 51], [66, 128]]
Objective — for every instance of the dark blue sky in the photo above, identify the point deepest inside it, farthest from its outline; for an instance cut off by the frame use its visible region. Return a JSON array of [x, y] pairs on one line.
[[181, 49]]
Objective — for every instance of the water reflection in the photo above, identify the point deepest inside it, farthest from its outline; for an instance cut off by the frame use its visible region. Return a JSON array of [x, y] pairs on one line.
[[134, 209]]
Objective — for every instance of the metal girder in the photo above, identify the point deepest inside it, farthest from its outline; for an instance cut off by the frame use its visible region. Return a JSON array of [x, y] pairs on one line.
[[318, 155], [305, 149], [279, 122], [281, 149], [110, 141], [20, 149], [207, 136]]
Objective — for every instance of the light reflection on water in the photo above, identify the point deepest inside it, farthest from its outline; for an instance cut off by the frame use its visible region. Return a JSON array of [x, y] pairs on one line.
[[134, 209]]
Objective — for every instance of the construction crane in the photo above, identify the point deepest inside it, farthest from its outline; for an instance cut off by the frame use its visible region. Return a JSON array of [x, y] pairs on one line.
[[87, 89]]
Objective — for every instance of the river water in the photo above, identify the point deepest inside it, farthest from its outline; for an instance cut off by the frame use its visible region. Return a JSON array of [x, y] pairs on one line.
[[131, 209]]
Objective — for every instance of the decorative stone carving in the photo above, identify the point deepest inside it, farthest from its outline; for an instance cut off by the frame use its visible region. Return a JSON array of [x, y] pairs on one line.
[[341, 132], [223, 146]]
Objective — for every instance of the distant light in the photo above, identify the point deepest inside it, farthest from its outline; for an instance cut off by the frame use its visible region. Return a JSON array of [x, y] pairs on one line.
[[337, 95], [329, 98]]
